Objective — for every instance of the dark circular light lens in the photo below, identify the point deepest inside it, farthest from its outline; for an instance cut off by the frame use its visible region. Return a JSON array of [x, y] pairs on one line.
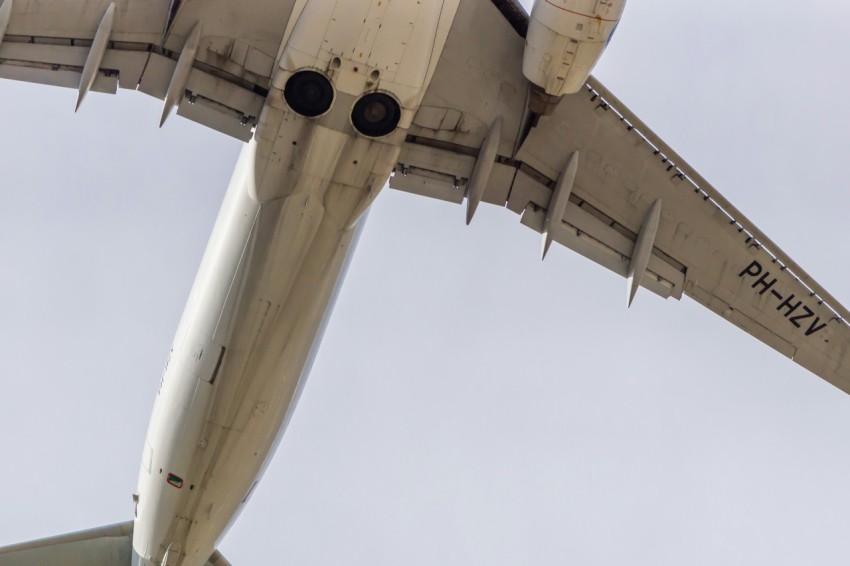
[[376, 115], [309, 93]]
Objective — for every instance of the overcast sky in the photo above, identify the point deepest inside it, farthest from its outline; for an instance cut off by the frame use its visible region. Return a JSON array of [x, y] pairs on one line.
[[470, 404]]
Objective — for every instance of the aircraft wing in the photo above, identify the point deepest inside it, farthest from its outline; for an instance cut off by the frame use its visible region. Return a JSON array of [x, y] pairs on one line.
[[699, 244], [138, 44], [103, 546], [701, 247]]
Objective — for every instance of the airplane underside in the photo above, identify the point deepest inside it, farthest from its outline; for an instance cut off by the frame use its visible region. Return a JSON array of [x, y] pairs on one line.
[[237, 366], [263, 293], [456, 99]]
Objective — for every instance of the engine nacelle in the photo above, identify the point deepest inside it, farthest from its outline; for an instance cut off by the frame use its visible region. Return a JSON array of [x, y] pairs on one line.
[[565, 40]]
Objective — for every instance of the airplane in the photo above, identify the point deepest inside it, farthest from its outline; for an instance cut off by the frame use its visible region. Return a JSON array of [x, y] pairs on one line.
[[570, 281]]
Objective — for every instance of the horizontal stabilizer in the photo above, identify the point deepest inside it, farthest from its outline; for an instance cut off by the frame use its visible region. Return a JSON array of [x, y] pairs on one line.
[[103, 546]]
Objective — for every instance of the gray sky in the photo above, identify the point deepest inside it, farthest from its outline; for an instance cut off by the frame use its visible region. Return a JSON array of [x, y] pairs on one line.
[[470, 404]]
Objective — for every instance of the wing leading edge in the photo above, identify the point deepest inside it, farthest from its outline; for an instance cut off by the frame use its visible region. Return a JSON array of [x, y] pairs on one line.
[[702, 246]]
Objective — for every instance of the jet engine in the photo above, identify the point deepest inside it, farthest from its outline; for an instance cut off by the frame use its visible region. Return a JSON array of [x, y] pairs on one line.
[[565, 40]]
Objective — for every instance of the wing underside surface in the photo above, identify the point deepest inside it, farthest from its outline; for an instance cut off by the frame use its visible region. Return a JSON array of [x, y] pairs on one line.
[[703, 248], [52, 41]]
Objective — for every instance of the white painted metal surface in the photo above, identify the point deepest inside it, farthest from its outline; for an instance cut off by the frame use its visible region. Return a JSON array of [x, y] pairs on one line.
[[5, 14], [253, 322], [642, 250], [239, 360], [558, 204], [177, 84], [276, 257], [565, 40], [95, 56], [480, 177]]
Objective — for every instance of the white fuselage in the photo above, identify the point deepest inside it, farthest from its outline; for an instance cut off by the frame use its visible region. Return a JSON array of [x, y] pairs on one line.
[[249, 332], [273, 265]]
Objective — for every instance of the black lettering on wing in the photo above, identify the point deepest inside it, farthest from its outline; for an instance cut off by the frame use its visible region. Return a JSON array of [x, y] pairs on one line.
[[753, 269], [765, 284], [814, 326], [795, 320]]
